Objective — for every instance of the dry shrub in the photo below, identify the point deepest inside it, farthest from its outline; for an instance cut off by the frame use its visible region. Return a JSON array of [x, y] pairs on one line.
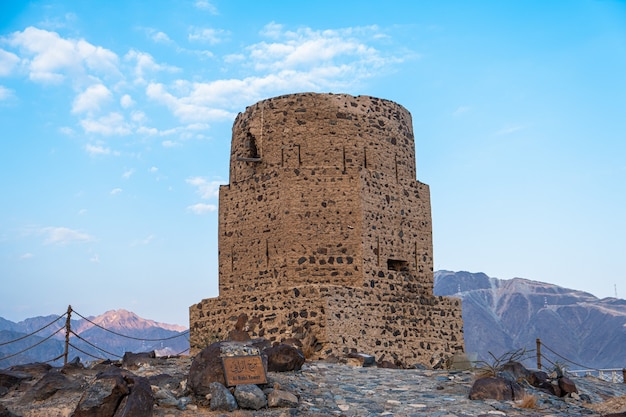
[[528, 401]]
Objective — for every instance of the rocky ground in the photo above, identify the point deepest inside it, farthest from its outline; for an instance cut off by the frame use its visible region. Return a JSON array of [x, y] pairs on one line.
[[322, 389]]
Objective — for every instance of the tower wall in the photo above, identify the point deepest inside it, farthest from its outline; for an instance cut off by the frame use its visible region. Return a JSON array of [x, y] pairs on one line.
[[325, 234]]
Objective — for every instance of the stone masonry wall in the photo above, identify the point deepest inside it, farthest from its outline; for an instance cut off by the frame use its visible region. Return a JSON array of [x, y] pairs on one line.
[[325, 234]]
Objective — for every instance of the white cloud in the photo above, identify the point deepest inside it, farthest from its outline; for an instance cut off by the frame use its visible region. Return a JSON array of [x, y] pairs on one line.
[[202, 208], [8, 61], [5, 93], [205, 188], [109, 125], [128, 173], [26, 256], [63, 236], [94, 150], [91, 99], [154, 169], [95, 259], [169, 144], [460, 110], [115, 191], [127, 101], [160, 37], [51, 58], [145, 65], [142, 242], [207, 35], [206, 5]]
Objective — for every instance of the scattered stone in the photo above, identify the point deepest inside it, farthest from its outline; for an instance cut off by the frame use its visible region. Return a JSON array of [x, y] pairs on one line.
[[280, 398], [496, 388], [361, 359], [284, 358], [136, 360], [567, 386], [250, 396], [221, 398]]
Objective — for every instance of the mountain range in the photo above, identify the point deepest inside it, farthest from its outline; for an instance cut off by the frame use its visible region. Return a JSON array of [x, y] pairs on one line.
[[576, 329], [108, 335], [500, 317]]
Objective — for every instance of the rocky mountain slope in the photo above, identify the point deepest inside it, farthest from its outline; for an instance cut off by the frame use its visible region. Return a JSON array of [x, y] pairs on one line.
[[108, 335], [506, 315]]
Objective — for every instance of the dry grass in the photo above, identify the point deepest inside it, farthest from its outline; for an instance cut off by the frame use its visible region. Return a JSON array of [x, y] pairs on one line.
[[528, 401]]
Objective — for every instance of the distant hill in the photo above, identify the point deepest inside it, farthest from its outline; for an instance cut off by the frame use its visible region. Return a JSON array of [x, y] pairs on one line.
[[502, 316], [108, 335]]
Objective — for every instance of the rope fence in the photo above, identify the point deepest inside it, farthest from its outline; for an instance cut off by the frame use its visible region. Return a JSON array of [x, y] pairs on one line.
[[88, 349], [563, 363]]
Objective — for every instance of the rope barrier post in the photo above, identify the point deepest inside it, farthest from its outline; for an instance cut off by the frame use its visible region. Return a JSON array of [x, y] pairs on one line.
[[539, 354], [68, 328]]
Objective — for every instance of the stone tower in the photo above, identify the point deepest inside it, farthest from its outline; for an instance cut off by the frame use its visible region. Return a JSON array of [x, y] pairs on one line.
[[325, 235]]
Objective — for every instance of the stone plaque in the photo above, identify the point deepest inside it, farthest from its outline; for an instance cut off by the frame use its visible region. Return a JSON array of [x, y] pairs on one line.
[[239, 370]]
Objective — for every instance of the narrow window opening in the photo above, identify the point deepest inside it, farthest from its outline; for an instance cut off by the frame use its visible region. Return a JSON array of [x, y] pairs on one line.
[[397, 265]]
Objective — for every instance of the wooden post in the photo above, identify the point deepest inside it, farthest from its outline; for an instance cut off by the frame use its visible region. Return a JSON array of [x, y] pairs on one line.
[[68, 328], [539, 354], [624, 375]]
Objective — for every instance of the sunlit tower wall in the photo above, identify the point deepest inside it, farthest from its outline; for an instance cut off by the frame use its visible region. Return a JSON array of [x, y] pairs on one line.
[[325, 234]]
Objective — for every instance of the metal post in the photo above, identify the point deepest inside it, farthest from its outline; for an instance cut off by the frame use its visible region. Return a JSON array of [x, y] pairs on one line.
[[68, 329], [624, 375], [539, 354]]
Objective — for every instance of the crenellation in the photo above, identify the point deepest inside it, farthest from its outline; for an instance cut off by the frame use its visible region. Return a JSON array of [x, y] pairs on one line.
[[325, 234]]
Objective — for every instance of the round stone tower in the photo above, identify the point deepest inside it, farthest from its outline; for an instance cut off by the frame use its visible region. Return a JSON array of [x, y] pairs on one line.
[[325, 234]]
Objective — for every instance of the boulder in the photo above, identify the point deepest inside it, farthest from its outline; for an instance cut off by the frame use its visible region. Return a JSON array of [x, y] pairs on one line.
[[103, 395], [221, 398], [250, 396], [116, 393], [136, 360], [496, 388], [567, 386], [52, 382], [514, 371], [280, 398], [284, 358], [10, 378], [206, 368]]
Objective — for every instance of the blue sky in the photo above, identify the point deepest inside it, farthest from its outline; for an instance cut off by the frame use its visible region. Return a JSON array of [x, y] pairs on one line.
[[116, 119]]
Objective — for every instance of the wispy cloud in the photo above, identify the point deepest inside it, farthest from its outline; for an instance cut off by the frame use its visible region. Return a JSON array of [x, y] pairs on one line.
[[112, 124], [509, 129], [5, 93], [202, 208], [94, 150], [205, 188], [460, 110], [64, 236], [207, 35], [207, 6], [128, 173], [115, 191], [146, 241], [26, 256]]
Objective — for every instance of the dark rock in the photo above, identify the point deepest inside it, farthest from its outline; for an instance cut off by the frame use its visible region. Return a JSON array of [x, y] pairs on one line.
[[567, 386], [514, 371], [250, 396], [206, 368], [139, 402], [284, 358], [280, 398], [387, 364], [103, 395], [48, 385], [10, 378], [33, 369], [136, 360], [496, 388], [221, 398], [4, 412], [538, 379]]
